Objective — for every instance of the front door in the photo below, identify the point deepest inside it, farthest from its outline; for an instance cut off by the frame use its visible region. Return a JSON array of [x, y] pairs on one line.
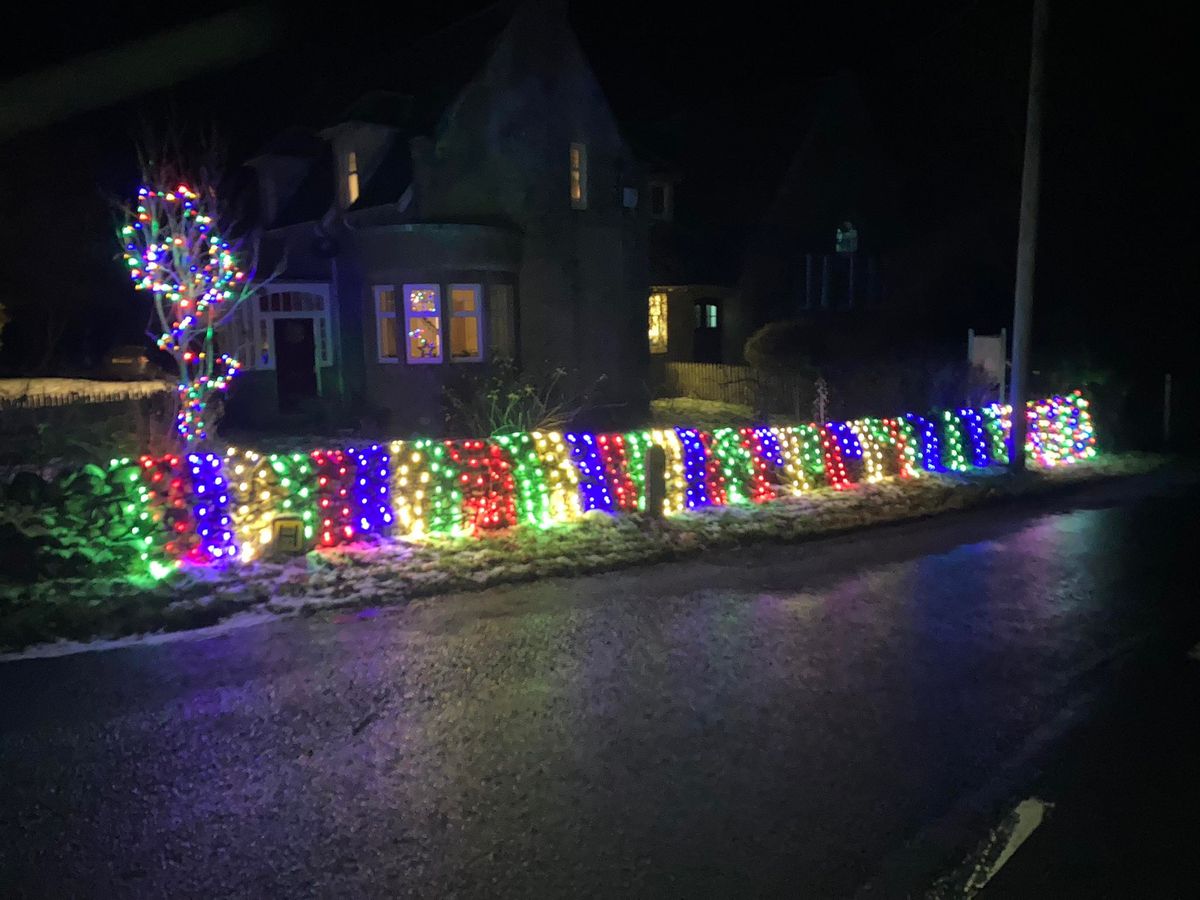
[[295, 363]]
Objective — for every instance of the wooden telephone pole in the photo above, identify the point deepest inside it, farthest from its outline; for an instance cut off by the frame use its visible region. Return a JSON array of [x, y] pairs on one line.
[[1027, 239]]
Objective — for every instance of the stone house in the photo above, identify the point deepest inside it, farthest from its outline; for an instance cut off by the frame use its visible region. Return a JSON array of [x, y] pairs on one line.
[[415, 257]]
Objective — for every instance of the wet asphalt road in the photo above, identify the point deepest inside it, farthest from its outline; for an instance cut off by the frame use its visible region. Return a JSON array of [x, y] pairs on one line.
[[780, 721]]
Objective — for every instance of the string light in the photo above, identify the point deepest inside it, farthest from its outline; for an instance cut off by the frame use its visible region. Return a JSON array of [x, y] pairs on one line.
[[593, 483], [485, 483], [533, 497], [173, 252], [729, 452], [265, 486], [209, 508]]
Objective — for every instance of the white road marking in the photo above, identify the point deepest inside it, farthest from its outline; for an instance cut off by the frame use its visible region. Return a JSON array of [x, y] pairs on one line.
[[1017, 827]]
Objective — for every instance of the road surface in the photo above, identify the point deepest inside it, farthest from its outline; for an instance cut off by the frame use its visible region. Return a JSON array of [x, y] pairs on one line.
[[817, 720]]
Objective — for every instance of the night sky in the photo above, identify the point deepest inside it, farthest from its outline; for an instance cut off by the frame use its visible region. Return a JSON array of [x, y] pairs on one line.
[[727, 93]]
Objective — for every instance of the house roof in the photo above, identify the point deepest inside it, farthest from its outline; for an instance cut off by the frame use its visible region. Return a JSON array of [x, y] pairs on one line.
[[313, 196], [423, 79], [390, 179]]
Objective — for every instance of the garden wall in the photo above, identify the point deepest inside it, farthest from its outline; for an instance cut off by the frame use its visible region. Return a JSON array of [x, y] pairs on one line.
[[203, 507]]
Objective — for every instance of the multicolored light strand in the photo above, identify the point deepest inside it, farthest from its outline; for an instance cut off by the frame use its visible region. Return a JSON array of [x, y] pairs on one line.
[[173, 252], [206, 508]]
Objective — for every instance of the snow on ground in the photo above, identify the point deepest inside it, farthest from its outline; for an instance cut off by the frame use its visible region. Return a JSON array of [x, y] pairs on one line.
[[91, 389]]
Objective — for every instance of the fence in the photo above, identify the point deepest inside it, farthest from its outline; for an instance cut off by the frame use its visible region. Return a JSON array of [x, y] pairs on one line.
[[33, 398], [775, 393]]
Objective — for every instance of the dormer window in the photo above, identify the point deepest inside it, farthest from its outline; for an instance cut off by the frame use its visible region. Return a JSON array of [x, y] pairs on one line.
[[661, 201], [579, 178], [351, 178]]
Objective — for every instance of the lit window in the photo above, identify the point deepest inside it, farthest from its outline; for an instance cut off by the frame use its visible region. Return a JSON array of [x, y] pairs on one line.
[[706, 315], [351, 178], [385, 324], [423, 323], [658, 323], [502, 322], [579, 176], [465, 327]]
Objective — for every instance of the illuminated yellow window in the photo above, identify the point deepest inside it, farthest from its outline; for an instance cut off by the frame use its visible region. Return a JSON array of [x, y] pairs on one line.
[[658, 323], [422, 323], [385, 324], [465, 325], [351, 178], [579, 176]]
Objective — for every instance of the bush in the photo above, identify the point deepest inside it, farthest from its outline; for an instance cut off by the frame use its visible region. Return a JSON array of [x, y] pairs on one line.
[[81, 523], [504, 401], [781, 346]]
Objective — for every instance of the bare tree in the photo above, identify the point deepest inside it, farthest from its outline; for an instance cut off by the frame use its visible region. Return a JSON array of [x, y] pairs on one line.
[[182, 251]]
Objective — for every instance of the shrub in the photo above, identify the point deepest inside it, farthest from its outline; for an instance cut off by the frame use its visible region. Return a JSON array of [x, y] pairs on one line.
[[505, 400]]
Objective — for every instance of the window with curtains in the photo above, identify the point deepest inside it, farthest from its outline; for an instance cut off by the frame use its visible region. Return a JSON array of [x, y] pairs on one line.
[[466, 315], [422, 323], [385, 324], [502, 322]]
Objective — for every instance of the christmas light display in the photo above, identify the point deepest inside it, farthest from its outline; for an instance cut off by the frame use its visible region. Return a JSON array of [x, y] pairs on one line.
[[142, 513], [812, 454], [714, 475], [562, 479], [760, 444], [954, 457], [616, 469], [998, 422], [727, 450], [485, 483], [1060, 430], [333, 496], [425, 492], [676, 481], [636, 445], [372, 496], [593, 483], [835, 469], [264, 487], [695, 468], [210, 508], [794, 471], [167, 498], [173, 250], [921, 433], [870, 449], [533, 497], [206, 508]]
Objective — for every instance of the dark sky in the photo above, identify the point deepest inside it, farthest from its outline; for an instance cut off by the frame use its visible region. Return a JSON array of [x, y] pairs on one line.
[[945, 84]]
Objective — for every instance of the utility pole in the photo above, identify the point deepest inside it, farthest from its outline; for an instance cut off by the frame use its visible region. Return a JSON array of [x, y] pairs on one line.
[[1027, 239]]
